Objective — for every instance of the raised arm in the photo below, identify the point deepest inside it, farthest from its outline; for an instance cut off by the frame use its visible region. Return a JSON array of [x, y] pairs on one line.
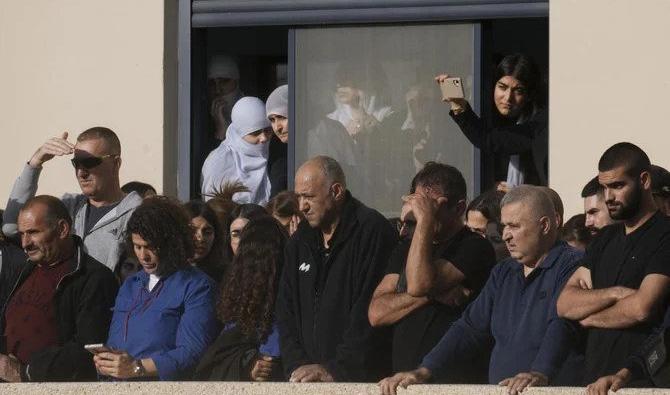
[[25, 186], [388, 306], [578, 300], [423, 274], [640, 306]]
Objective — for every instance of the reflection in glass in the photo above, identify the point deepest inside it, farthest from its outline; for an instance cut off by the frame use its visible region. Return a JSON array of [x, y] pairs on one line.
[[366, 97]]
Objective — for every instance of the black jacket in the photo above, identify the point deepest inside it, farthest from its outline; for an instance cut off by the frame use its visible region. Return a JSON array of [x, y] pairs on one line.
[[529, 140], [83, 301], [277, 166], [231, 357], [12, 260], [323, 301]]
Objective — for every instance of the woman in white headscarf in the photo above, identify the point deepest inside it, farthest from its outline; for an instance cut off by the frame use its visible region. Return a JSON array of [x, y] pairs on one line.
[[243, 155], [276, 109]]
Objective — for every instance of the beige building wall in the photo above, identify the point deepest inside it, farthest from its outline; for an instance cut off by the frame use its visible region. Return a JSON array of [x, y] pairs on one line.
[[68, 65], [610, 82]]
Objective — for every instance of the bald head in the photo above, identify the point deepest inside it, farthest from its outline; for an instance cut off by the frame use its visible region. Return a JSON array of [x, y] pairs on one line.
[[320, 186], [324, 168]]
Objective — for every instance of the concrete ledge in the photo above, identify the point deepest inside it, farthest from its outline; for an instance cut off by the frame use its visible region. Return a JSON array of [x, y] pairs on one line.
[[222, 388]]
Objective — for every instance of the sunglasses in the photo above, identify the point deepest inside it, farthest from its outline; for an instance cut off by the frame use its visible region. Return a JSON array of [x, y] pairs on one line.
[[89, 162]]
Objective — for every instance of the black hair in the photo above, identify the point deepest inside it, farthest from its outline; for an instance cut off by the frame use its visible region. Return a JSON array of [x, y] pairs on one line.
[[248, 211], [524, 69], [164, 225], [55, 212], [591, 188], [488, 203], [627, 155], [575, 229], [284, 204], [446, 178], [140, 187], [220, 252]]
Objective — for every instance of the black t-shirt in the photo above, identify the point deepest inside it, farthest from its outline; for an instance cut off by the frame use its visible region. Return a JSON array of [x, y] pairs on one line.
[[94, 214], [418, 332], [615, 258]]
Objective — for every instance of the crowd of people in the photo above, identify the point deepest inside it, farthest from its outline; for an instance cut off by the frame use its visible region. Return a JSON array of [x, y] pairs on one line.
[[254, 282]]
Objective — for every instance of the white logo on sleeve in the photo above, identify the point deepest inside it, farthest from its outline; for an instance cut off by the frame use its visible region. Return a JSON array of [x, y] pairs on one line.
[[304, 267]]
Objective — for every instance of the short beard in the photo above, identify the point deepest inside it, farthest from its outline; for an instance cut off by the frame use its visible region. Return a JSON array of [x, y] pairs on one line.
[[631, 209]]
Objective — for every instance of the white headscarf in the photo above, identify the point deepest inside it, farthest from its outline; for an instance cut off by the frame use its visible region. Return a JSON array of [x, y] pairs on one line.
[[277, 103], [237, 160]]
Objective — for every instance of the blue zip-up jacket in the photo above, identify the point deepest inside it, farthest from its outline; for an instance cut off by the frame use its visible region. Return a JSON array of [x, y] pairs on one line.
[[173, 324], [519, 315]]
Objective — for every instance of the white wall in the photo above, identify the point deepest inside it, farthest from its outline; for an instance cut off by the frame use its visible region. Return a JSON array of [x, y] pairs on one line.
[[610, 82], [68, 65]]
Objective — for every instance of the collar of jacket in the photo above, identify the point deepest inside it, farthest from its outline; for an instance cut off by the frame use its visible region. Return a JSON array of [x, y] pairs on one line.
[[76, 266], [348, 222], [129, 202]]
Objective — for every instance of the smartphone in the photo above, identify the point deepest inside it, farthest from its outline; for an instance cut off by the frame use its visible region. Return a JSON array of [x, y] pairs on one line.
[[96, 348], [452, 88]]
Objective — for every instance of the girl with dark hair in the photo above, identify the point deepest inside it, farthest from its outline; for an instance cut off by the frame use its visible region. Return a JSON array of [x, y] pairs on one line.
[[482, 216], [164, 315], [210, 255], [248, 347], [240, 217], [515, 141], [284, 208]]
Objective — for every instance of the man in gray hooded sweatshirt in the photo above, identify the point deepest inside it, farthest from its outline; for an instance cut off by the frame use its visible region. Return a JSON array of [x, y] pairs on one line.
[[101, 211]]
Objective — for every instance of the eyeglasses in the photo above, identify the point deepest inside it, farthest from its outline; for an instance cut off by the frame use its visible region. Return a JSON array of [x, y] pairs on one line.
[[89, 162]]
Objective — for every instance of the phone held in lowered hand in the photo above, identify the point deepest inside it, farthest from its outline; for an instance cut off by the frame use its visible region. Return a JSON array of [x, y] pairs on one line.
[[96, 348], [452, 88]]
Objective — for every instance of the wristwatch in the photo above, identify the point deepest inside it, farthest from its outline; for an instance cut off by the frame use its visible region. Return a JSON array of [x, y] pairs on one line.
[[138, 368]]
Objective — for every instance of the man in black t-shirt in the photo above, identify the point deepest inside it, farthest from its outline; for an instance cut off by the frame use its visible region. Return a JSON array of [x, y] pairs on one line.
[[620, 291], [434, 273]]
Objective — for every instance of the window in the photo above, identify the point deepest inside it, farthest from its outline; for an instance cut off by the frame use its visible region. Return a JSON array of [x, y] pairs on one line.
[[366, 96]]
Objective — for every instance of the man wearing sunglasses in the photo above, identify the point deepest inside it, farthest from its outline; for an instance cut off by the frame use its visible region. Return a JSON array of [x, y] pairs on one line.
[[101, 210]]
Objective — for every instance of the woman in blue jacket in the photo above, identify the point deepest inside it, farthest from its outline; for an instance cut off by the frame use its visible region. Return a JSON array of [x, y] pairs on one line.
[[164, 316]]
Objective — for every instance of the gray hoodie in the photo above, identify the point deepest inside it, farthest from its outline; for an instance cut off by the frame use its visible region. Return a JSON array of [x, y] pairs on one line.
[[104, 241]]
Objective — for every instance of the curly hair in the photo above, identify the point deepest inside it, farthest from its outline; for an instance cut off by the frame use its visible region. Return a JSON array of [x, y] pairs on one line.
[[164, 224], [249, 294]]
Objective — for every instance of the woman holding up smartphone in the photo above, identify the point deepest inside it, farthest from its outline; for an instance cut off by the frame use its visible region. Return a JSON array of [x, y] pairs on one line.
[[515, 140], [248, 346]]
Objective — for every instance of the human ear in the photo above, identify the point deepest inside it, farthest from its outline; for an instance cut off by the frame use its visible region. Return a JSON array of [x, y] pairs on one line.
[[645, 180], [545, 224], [337, 191], [63, 229]]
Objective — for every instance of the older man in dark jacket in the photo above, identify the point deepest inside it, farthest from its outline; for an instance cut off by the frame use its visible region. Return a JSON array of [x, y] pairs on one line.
[[333, 263], [12, 260], [61, 301]]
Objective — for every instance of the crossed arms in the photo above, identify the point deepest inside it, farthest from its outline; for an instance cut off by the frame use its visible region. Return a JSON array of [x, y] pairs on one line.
[[614, 307]]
